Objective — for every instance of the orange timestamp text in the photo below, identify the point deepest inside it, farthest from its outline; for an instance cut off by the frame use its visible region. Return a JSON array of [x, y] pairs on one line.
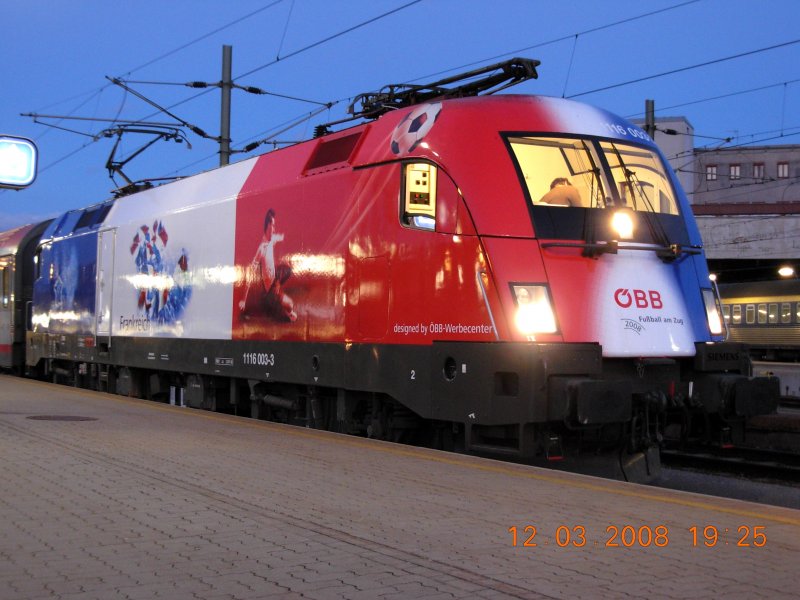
[[642, 536]]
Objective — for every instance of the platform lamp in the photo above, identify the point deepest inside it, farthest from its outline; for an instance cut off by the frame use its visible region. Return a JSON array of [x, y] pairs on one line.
[[786, 271]]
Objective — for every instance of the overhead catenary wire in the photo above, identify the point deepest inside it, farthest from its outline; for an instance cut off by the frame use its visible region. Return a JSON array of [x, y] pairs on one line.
[[344, 32], [94, 93], [315, 44], [329, 38], [250, 89], [285, 29], [687, 68], [562, 38], [720, 96], [325, 106], [296, 53]]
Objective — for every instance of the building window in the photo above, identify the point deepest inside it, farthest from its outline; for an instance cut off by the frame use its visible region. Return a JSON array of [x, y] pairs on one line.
[[758, 171], [783, 170], [711, 172], [736, 171]]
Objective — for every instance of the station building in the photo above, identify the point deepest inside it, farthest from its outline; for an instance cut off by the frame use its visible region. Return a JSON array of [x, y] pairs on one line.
[[746, 200]]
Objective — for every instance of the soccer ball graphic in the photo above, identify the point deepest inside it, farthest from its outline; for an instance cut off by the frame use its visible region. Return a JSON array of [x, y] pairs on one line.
[[410, 132]]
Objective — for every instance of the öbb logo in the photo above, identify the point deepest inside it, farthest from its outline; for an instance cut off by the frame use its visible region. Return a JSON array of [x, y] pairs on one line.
[[640, 298]]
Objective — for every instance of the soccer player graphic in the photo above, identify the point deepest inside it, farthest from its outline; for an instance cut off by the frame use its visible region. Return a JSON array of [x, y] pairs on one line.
[[268, 278]]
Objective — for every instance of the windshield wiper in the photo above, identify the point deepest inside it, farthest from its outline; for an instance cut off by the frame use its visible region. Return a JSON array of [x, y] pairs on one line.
[[656, 228], [592, 249]]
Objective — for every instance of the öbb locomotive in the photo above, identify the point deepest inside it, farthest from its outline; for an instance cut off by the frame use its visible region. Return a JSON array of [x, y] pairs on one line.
[[506, 274]]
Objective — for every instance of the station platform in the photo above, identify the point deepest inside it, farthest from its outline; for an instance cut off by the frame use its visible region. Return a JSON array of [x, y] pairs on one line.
[[107, 497]]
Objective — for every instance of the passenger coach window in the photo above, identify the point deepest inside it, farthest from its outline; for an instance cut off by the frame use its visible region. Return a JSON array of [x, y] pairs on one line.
[[773, 313], [750, 314], [737, 314], [762, 314], [786, 312], [419, 195], [6, 285]]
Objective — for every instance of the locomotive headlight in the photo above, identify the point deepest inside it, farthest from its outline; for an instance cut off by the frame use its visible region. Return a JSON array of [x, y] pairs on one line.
[[534, 310], [712, 313], [622, 224]]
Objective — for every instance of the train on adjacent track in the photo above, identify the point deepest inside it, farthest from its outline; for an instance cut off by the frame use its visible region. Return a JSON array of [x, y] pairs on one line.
[[509, 274], [764, 315]]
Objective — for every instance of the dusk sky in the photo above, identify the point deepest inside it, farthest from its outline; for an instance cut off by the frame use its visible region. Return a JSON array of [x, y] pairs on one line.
[[731, 67]]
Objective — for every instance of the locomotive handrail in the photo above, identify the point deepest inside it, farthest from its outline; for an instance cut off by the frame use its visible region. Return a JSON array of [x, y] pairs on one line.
[[718, 302], [479, 276]]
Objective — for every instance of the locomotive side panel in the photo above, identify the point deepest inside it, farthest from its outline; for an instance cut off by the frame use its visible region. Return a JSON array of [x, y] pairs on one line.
[[291, 241], [64, 288], [173, 262], [172, 274]]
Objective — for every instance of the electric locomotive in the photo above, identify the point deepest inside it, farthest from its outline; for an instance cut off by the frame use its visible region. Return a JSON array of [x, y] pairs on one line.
[[508, 274]]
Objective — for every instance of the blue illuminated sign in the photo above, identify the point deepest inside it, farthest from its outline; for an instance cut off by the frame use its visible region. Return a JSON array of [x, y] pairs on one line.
[[17, 162]]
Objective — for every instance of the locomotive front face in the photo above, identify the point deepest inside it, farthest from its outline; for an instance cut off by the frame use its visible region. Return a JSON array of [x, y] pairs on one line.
[[583, 226], [615, 248]]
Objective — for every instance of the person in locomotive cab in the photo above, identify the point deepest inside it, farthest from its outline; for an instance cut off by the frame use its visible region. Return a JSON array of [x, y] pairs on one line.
[[269, 277], [562, 193]]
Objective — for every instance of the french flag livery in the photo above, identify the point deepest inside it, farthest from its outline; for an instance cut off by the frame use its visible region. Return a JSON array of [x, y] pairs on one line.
[[508, 273]]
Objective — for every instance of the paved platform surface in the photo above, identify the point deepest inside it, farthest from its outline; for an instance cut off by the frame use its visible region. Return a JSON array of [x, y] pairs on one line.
[[153, 501]]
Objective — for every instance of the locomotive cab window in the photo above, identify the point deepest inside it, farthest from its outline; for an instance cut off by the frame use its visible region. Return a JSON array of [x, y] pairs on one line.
[[579, 187], [419, 195]]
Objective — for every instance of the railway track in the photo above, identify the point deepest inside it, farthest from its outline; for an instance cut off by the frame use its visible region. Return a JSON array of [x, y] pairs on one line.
[[752, 463], [790, 402]]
